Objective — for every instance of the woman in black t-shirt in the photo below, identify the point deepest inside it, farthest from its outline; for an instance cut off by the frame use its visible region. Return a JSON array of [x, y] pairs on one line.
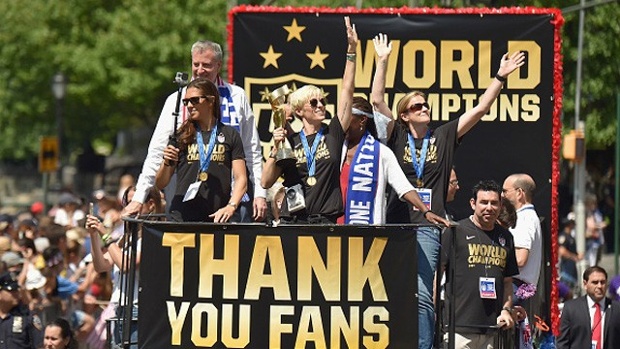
[[312, 184], [426, 157], [209, 153]]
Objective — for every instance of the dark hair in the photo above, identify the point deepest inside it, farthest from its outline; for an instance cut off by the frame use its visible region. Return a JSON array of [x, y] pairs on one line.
[[593, 269], [187, 132], [55, 234], [507, 214], [486, 185], [362, 104], [65, 331], [27, 243], [153, 193]]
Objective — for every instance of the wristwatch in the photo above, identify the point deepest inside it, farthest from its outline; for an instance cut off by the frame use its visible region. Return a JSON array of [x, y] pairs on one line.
[[509, 310], [233, 205]]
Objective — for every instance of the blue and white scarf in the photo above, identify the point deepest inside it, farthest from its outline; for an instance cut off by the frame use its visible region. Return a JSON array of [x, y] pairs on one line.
[[363, 178], [229, 116], [229, 113]]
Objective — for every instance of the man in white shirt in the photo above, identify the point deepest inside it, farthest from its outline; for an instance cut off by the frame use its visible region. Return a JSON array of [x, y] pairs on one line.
[[519, 190], [207, 58]]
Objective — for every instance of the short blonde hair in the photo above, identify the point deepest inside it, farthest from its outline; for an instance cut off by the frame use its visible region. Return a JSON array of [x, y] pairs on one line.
[[299, 97]]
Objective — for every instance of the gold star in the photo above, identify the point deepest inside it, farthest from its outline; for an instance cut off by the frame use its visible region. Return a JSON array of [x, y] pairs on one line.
[[317, 58], [294, 31], [264, 95], [271, 57]]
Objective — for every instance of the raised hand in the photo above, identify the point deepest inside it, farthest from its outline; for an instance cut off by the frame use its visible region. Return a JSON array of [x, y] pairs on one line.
[[351, 35], [383, 47], [510, 63]]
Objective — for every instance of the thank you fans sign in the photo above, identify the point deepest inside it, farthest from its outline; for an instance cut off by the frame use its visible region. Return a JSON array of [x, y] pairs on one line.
[[248, 286]]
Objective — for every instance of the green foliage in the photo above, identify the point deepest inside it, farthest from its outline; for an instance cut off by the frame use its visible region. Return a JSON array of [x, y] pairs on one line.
[[120, 58], [121, 55]]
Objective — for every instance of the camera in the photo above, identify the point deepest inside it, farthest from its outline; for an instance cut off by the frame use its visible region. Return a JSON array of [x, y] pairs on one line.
[[181, 79], [295, 198]]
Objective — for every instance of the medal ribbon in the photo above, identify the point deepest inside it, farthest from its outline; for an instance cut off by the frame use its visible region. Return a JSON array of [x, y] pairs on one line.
[[418, 164], [310, 152], [205, 159]]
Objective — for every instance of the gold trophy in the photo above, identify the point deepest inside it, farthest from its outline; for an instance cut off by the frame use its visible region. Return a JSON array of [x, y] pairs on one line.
[[277, 99]]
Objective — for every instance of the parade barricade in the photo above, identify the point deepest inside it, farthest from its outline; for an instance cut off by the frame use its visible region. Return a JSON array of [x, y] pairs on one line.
[[252, 286]]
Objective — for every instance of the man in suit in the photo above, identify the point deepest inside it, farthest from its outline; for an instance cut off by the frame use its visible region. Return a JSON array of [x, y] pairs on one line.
[[591, 321]]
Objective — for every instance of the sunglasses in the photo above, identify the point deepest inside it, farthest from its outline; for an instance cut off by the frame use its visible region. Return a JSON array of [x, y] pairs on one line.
[[315, 102], [418, 106], [194, 100]]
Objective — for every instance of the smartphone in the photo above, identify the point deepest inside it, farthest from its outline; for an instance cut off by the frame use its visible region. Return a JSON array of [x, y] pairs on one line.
[[91, 209]]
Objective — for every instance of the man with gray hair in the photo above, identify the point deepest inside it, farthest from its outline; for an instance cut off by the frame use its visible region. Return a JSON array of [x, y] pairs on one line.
[[207, 59]]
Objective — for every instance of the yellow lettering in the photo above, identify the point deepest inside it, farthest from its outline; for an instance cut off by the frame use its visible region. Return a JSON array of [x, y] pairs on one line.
[[176, 320], [243, 339], [530, 105], [210, 311], [534, 59], [428, 53], [327, 273], [310, 318], [381, 330], [276, 327], [228, 266], [177, 243], [267, 248], [339, 324], [366, 270], [449, 64]]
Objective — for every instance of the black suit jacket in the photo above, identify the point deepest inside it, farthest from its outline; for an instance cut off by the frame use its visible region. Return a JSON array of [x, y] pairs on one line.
[[575, 330]]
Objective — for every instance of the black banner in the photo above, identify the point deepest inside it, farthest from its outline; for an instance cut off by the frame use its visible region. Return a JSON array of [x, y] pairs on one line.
[[249, 286], [451, 55]]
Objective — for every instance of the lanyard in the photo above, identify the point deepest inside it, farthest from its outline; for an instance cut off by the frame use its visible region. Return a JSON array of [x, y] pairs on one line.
[[205, 159], [418, 164], [310, 152]]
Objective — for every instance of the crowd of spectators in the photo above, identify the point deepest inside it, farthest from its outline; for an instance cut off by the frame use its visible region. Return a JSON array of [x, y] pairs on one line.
[[49, 255]]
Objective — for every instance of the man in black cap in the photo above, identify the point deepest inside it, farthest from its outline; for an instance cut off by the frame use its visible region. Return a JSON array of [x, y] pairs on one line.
[[18, 329]]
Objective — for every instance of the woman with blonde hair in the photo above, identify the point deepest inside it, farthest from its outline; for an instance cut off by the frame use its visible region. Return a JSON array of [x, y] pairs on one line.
[[312, 184]]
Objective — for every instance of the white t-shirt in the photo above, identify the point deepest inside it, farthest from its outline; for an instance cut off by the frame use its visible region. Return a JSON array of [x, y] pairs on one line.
[[527, 234]]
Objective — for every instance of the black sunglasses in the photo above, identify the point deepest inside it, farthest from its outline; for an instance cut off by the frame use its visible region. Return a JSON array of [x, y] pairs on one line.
[[315, 102], [194, 100], [418, 106]]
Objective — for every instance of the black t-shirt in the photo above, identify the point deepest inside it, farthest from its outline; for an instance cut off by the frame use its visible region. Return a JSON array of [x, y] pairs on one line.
[[479, 253], [439, 158], [214, 193], [324, 197]]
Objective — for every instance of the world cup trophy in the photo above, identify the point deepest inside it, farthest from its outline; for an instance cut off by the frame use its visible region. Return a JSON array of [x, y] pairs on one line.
[[277, 99]]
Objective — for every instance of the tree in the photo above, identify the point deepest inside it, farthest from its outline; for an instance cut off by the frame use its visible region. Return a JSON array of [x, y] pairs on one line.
[[120, 58]]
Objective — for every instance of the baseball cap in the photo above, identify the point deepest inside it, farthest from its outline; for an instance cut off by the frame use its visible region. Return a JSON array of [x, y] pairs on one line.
[[37, 208], [7, 282], [12, 259], [5, 221]]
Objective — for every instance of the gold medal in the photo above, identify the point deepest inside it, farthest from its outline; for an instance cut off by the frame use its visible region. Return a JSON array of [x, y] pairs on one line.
[[419, 183], [311, 181], [203, 176]]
